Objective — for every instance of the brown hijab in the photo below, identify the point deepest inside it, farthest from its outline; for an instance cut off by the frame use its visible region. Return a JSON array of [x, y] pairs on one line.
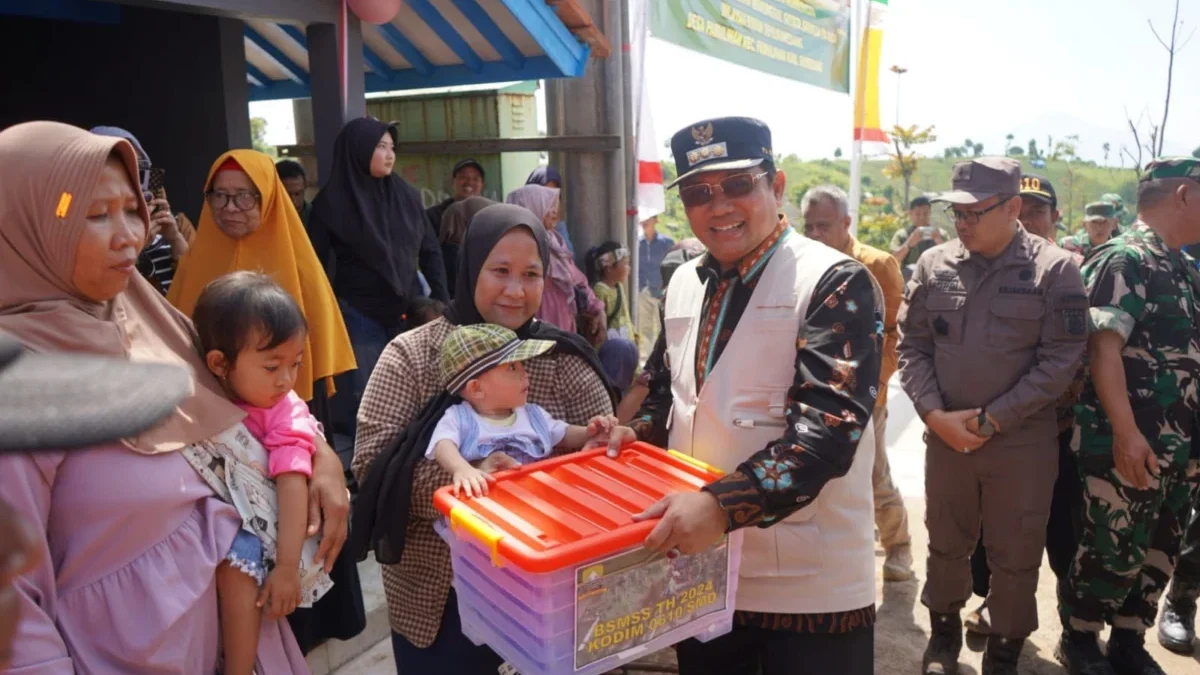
[[48, 172], [458, 216]]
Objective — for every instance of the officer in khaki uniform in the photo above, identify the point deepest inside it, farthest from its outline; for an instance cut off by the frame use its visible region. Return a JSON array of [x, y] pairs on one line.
[[992, 327]]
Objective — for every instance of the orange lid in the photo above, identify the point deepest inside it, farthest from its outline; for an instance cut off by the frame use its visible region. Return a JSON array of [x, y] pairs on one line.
[[571, 509]]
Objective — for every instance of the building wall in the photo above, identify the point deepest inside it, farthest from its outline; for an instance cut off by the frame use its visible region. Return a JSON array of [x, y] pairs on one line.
[[177, 81]]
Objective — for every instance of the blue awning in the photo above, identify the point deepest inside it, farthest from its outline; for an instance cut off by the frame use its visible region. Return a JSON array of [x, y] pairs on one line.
[[436, 43]]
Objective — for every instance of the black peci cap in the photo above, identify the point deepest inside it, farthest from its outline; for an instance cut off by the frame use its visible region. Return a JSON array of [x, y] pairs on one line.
[[720, 145]]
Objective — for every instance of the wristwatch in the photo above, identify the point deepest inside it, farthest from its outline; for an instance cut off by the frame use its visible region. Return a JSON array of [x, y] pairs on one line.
[[986, 428]]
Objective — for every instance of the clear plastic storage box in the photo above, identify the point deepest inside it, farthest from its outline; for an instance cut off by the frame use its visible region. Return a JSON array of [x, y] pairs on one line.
[[550, 572]]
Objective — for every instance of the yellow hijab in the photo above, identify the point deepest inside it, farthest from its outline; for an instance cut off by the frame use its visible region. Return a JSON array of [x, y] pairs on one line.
[[280, 249]]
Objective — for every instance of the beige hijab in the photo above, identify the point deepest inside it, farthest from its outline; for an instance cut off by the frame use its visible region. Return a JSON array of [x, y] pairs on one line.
[[48, 172]]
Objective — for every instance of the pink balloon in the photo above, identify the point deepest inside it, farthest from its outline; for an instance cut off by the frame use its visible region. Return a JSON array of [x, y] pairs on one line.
[[375, 11]]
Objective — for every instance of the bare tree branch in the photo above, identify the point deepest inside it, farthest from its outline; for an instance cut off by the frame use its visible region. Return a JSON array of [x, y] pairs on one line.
[[1185, 42], [1162, 128], [1160, 40], [1125, 151], [1137, 144]]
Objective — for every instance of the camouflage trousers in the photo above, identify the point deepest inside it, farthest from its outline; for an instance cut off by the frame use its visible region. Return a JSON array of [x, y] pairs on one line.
[[1187, 571], [1128, 549]]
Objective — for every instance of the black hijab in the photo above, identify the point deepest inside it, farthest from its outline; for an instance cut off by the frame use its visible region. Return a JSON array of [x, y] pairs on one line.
[[381, 219], [381, 510]]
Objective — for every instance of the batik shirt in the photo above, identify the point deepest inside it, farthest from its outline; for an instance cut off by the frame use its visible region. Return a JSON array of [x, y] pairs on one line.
[[1148, 295], [828, 406]]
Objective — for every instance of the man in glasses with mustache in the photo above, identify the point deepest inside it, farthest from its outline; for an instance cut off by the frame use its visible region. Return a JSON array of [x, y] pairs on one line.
[[768, 368], [992, 329]]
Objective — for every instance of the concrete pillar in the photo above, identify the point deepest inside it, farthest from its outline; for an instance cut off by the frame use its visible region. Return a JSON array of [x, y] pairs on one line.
[[231, 50], [594, 190], [329, 114]]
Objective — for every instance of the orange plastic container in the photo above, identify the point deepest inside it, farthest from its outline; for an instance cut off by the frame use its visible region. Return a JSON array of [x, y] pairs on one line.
[[533, 558], [564, 511]]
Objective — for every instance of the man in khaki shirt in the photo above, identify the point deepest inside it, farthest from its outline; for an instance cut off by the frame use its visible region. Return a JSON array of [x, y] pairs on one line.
[[827, 219], [992, 329]]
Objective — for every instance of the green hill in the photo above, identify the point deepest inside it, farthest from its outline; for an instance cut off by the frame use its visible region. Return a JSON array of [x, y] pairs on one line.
[[1076, 183]]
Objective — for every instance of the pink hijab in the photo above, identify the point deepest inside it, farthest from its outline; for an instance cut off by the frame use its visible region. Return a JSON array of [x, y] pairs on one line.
[[558, 299]]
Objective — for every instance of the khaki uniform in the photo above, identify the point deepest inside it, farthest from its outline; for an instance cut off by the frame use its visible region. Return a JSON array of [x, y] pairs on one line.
[[1005, 335]]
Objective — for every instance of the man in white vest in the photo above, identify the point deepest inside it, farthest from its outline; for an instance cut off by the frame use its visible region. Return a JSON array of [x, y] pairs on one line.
[[767, 367]]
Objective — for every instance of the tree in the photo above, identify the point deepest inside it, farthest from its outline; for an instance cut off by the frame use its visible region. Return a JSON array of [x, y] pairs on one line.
[[1068, 152], [1008, 140], [1016, 151], [1196, 152], [258, 135], [837, 154], [905, 160], [978, 149], [1157, 133], [1107, 147], [1172, 50], [1033, 148]]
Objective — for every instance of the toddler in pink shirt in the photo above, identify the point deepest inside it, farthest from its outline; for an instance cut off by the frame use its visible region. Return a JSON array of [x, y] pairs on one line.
[[253, 336]]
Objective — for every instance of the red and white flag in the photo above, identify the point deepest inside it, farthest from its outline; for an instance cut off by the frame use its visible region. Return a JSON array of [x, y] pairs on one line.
[[650, 199]]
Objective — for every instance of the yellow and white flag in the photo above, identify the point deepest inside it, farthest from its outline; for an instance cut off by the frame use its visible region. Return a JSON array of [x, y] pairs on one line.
[[866, 101]]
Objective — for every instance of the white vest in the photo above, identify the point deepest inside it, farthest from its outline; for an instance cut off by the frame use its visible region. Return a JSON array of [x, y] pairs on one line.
[[822, 557]]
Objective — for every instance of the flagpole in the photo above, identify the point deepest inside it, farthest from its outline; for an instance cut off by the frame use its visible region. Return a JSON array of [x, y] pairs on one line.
[[862, 21]]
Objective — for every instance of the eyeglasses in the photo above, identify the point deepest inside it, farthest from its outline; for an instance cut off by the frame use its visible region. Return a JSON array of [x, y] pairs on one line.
[[737, 185], [973, 217], [244, 201]]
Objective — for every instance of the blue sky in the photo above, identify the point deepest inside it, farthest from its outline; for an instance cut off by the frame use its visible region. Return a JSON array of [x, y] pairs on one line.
[[977, 68]]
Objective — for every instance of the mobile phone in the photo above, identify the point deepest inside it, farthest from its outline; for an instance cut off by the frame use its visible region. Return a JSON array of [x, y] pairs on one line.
[[156, 181], [927, 232]]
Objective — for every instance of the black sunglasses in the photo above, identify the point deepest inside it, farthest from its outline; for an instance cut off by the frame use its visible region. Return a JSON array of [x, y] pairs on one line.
[[973, 217], [737, 185]]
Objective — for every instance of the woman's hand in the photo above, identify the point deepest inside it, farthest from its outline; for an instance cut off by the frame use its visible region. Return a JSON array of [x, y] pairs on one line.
[[19, 553], [328, 504], [280, 594]]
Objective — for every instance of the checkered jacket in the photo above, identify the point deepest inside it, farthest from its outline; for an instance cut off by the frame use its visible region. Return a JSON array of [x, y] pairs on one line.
[[405, 378]]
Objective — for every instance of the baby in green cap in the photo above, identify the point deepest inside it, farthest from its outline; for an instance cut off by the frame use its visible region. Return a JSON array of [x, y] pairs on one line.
[[495, 423]]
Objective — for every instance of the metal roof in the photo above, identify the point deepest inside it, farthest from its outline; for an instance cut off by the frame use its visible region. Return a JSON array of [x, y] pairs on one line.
[[437, 43]]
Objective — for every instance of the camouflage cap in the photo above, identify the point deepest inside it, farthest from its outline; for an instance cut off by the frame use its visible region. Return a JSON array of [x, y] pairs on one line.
[[470, 351], [1099, 211], [1173, 167], [1114, 199]]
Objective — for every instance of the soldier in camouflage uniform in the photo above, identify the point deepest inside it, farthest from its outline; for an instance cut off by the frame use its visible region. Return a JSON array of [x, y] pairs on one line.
[[1177, 627], [1124, 218], [1099, 225], [1134, 425]]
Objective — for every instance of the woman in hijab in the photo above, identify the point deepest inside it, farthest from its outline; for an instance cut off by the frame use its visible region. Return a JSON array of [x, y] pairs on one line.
[[454, 228], [249, 223], [568, 293], [548, 176], [170, 235], [370, 230], [129, 532], [501, 269]]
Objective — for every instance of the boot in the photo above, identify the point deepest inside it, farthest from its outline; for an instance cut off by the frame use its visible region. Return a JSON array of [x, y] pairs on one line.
[[1001, 655], [979, 621], [1079, 652], [1177, 627], [897, 566], [1128, 656], [945, 642]]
